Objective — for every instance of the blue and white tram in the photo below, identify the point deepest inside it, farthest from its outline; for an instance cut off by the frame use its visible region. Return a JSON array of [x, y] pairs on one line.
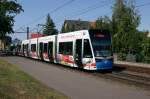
[[86, 49]]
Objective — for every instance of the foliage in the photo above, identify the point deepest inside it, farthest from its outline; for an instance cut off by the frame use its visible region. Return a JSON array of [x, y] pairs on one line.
[[49, 28], [103, 23], [125, 20], [122, 56], [8, 40], [146, 49], [129, 43], [8, 10]]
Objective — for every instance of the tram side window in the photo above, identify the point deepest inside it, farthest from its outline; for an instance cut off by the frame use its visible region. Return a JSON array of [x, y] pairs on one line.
[[66, 48], [33, 47], [25, 47], [50, 48], [18, 48], [87, 53], [40, 46], [61, 48], [45, 47]]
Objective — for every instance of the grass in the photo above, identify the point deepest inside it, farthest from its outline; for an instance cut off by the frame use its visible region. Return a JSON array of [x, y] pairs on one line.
[[15, 84]]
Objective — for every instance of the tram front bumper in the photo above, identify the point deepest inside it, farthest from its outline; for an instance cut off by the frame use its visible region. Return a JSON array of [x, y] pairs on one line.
[[104, 64]]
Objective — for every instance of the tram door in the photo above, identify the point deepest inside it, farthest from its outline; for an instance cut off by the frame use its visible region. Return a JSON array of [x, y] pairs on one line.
[[41, 51], [27, 50], [23, 47], [50, 51], [78, 53]]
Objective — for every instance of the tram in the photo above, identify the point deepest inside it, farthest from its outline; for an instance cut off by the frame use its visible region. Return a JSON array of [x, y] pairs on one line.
[[86, 49]]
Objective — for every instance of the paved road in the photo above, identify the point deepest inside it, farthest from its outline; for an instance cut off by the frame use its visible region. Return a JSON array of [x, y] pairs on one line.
[[77, 85]]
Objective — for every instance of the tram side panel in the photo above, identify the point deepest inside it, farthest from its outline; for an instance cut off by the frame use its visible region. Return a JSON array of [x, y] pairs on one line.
[[46, 48], [33, 48], [71, 50], [65, 50], [80, 49], [25, 48]]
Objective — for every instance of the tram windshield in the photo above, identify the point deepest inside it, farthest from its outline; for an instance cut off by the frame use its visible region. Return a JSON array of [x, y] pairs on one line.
[[101, 42]]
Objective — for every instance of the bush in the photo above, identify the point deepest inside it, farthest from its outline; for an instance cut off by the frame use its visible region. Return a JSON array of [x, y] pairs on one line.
[[122, 56], [131, 58], [139, 58], [147, 59]]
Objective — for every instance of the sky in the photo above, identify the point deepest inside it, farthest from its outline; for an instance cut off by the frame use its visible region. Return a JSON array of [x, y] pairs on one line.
[[35, 12]]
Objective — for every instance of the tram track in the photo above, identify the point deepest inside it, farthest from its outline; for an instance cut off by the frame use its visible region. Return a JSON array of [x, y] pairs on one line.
[[138, 79], [121, 75], [118, 74], [128, 77]]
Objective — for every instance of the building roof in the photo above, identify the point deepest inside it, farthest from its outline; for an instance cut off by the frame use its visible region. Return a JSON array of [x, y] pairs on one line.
[[77, 24]]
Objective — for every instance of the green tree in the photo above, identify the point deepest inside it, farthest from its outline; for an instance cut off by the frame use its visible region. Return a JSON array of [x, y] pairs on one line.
[[145, 46], [49, 28], [125, 21], [103, 23], [8, 40], [8, 10]]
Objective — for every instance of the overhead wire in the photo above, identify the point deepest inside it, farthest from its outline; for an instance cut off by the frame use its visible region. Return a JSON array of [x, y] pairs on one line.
[[97, 6], [145, 4], [53, 11], [89, 8], [93, 7], [84, 11]]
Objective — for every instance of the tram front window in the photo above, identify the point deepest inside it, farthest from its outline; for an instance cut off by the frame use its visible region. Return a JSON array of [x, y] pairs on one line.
[[87, 49], [101, 49], [101, 42]]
